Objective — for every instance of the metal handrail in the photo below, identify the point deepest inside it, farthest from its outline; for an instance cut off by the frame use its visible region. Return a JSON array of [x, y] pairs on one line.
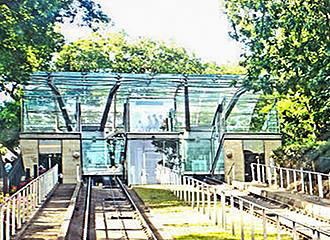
[[261, 177], [28, 185], [23, 205], [313, 229], [293, 169], [188, 194]]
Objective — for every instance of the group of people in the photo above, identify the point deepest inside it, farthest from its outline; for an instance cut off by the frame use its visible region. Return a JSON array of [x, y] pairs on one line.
[[153, 123]]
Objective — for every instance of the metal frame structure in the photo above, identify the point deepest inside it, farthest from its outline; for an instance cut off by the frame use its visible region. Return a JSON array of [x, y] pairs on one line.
[[97, 105]]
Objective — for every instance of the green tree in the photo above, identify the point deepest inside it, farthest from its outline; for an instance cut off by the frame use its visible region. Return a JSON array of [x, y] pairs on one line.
[[28, 38], [287, 54], [9, 122], [116, 53]]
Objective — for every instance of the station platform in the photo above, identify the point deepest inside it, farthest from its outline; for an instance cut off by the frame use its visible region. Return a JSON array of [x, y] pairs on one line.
[[309, 204]]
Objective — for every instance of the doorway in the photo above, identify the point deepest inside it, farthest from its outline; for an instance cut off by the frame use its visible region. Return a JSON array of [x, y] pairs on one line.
[[50, 154], [254, 152]]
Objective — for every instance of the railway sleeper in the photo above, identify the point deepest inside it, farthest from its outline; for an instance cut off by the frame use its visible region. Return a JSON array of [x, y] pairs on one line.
[[117, 199]]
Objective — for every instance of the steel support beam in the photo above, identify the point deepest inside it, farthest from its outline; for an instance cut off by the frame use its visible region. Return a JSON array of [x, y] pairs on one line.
[[60, 101], [186, 105], [227, 112], [217, 155], [106, 111], [233, 101]]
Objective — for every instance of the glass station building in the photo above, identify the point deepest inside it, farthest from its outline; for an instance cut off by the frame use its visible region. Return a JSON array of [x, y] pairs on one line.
[[125, 124]]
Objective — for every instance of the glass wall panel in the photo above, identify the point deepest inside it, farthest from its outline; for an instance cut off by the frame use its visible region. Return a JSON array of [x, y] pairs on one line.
[[149, 115], [41, 113], [95, 152], [142, 160], [197, 155], [220, 167]]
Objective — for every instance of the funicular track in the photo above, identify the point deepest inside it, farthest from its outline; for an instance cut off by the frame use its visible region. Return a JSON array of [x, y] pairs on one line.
[[273, 208], [111, 213]]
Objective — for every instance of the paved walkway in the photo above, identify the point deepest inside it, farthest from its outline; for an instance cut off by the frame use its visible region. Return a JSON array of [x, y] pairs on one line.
[[48, 221]]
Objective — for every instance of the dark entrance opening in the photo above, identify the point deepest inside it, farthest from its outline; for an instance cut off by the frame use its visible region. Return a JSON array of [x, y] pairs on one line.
[[48, 161]]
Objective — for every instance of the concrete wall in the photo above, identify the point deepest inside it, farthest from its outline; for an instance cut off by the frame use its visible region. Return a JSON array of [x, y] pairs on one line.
[[233, 152], [69, 147], [70, 144], [270, 145], [30, 153]]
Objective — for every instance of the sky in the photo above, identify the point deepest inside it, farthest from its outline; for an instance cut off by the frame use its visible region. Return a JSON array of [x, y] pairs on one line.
[[200, 26]]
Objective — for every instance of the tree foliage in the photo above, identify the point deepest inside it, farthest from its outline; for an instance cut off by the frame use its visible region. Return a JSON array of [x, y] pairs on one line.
[[115, 52], [9, 122], [28, 36], [28, 39], [287, 54]]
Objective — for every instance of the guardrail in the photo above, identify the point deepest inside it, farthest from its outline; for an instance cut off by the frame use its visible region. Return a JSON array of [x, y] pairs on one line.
[[205, 197], [87, 209], [291, 178], [21, 207]]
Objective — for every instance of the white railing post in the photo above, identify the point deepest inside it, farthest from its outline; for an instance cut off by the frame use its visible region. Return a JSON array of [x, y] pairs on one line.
[[310, 183], [185, 188], [223, 210], [281, 178], [263, 173], [39, 192], [192, 193], [302, 180], [209, 202], [188, 189], [241, 218], [215, 207], [295, 180], [252, 220], [320, 185], [198, 196], [13, 216], [7, 237], [269, 173], [252, 171], [181, 187], [23, 205], [1, 222], [287, 179], [258, 173], [203, 198], [275, 177], [19, 219]]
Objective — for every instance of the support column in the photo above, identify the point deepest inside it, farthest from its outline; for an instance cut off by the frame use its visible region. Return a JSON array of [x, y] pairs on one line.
[[186, 105]]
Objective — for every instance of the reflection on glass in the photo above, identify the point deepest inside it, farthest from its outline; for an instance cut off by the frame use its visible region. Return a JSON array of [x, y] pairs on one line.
[[198, 155], [150, 115]]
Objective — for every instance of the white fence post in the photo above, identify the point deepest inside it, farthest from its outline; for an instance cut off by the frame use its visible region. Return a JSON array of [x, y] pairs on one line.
[[302, 180], [320, 185], [16, 209], [258, 173]]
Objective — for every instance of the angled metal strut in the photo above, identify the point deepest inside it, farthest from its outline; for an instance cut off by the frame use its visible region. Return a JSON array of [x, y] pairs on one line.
[[60, 101], [106, 111], [227, 112]]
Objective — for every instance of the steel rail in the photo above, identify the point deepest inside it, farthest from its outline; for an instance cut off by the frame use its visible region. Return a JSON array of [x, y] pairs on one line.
[[87, 209], [138, 211]]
